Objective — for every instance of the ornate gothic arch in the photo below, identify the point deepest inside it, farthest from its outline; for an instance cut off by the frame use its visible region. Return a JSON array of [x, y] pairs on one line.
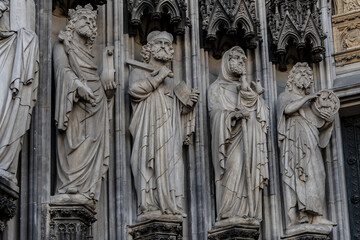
[[157, 10], [233, 18], [298, 20]]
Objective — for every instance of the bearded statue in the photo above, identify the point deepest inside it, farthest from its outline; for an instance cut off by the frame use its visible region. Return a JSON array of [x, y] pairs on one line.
[[81, 114], [239, 119], [163, 119], [305, 123]]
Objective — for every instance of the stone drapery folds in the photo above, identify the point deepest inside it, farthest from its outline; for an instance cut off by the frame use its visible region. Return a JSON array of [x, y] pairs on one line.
[[304, 127], [163, 119], [239, 122], [81, 113]]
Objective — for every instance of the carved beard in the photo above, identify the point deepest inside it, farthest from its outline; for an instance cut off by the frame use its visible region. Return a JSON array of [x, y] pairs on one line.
[[85, 31], [237, 69], [161, 54], [304, 83]]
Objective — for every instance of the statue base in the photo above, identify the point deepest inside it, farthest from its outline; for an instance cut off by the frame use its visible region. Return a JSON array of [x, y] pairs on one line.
[[308, 232], [9, 193], [157, 229], [235, 232], [71, 221]]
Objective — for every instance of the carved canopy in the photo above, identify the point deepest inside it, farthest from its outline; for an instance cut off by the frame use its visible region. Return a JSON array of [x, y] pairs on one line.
[[156, 10], [296, 21], [233, 16]]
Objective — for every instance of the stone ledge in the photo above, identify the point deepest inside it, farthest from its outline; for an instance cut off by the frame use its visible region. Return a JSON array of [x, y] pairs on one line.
[[236, 232], [157, 229]]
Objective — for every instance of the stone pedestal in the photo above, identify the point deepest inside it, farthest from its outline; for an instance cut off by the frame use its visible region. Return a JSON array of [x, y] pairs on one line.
[[9, 193], [71, 221], [308, 232], [235, 232], [156, 230]]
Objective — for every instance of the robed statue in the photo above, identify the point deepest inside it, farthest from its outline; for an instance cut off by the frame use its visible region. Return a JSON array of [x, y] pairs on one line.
[[239, 119], [19, 66], [81, 112], [162, 121], [305, 123]]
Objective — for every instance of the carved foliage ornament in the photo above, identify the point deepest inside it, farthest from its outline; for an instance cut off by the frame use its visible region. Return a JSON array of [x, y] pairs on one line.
[[297, 20], [62, 7], [229, 14]]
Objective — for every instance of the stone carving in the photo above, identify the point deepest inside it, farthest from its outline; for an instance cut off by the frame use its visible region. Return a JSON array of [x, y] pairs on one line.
[[62, 7], [234, 16], [9, 193], [299, 21], [71, 222], [238, 232], [350, 5], [239, 123], [351, 37], [305, 123], [163, 119], [19, 59], [176, 9], [157, 229], [81, 113]]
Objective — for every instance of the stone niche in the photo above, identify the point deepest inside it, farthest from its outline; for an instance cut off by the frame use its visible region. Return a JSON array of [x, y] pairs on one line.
[[346, 31]]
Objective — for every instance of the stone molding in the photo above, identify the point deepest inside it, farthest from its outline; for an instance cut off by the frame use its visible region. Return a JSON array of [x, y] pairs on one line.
[[345, 29], [220, 12], [305, 27], [71, 221], [238, 232], [176, 9], [157, 229], [9, 193]]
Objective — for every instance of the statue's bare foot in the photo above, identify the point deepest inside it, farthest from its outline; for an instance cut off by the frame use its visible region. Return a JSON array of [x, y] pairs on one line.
[[322, 221], [304, 219]]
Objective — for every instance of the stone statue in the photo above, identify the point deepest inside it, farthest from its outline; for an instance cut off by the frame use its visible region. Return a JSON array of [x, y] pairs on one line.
[[81, 114], [163, 119], [305, 123], [19, 60], [239, 123]]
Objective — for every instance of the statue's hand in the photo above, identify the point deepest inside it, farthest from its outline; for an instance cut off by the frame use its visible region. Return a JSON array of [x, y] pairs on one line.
[[193, 98], [327, 116], [312, 96], [85, 93], [164, 72]]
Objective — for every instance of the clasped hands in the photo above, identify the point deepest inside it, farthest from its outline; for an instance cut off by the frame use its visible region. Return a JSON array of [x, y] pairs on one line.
[[239, 114]]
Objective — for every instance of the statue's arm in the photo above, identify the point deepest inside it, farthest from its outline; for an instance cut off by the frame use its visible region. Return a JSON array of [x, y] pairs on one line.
[[294, 106], [141, 85]]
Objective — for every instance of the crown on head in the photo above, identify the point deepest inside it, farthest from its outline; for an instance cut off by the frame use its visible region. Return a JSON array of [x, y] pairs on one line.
[[80, 11]]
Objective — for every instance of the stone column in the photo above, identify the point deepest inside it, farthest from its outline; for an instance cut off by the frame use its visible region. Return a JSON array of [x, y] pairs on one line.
[[9, 193]]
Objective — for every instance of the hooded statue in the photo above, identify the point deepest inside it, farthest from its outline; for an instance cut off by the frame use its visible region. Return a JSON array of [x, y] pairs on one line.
[[239, 122]]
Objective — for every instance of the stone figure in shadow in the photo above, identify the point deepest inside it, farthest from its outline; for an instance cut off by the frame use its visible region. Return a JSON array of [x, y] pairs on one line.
[[239, 123], [305, 123], [81, 113], [163, 120], [19, 66]]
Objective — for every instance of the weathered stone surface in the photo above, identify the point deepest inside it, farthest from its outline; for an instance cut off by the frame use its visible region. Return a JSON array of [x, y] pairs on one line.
[[236, 232], [163, 121], [19, 58], [9, 193], [300, 22], [70, 221], [239, 119], [157, 230], [308, 232], [81, 113], [305, 124]]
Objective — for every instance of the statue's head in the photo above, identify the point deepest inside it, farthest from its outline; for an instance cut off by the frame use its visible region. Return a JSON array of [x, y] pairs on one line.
[[82, 20], [159, 47], [301, 77], [233, 64], [4, 7], [236, 61]]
